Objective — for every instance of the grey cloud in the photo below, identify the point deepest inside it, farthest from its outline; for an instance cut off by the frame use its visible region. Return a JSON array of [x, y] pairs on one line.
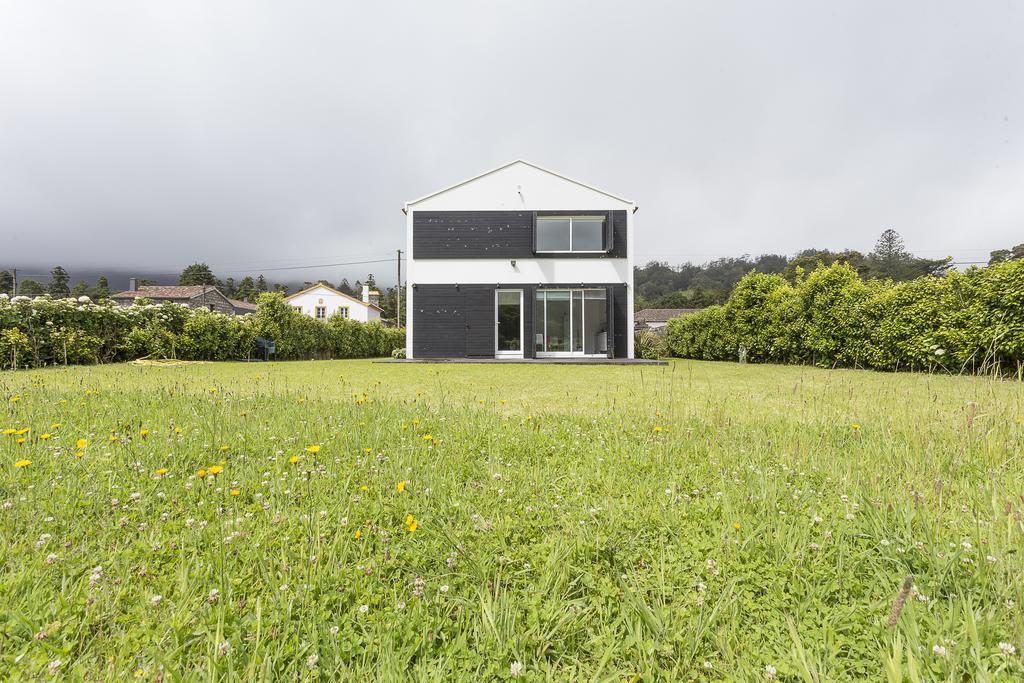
[[268, 134]]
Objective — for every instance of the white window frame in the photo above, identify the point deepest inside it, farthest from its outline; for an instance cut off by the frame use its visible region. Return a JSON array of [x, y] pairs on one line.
[[317, 309], [583, 321], [344, 312], [499, 353], [570, 219]]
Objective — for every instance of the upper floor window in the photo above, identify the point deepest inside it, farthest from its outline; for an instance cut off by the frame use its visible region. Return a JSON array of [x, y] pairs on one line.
[[571, 234]]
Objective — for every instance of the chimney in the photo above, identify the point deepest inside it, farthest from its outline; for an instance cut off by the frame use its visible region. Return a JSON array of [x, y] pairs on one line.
[[133, 284], [375, 297], [366, 294]]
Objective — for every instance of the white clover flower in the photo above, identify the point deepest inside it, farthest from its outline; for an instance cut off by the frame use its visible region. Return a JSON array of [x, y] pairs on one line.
[[770, 672], [515, 669], [363, 609], [155, 600], [939, 650], [1007, 649]]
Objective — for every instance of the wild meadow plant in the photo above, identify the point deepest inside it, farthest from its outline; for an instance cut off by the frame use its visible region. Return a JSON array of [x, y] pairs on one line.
[[345, 519]]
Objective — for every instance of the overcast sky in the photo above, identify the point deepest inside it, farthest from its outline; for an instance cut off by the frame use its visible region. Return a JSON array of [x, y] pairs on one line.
[[254, 135]]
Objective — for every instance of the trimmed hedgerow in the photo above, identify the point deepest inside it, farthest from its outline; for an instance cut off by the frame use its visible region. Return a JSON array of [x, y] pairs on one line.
[[46, 331], [960, 322]]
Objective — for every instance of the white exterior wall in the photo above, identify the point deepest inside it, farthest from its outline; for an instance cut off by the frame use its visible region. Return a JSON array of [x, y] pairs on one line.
[[308, 301], [519, 186]]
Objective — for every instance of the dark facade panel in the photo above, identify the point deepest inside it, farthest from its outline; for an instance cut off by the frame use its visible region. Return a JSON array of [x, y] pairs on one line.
[[452, 321], [496, 234], [472, 234], [439, 322]]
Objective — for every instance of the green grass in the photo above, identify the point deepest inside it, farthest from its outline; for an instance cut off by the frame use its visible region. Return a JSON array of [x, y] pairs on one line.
[[698, 520]]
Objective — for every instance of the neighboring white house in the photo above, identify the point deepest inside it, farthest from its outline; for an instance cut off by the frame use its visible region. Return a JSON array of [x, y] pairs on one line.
[[321, 302], [519, 262]]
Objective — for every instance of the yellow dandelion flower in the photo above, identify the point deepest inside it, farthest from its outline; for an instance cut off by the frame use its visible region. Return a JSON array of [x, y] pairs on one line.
[[736, 526], [143, 433], [235, 492], [313, 449], [294, 459], [225, 448], [659, 429], [15, 398], [21, 464], [81, 443], [44, 437], [9, 431], [401, 486], [161, 472], [215, 469], [413, 525], [367, 450], [428, 437], [20, 440], [855, 427], [201, 473], [364, 488], [177, 430], [113, 438], [358, 534], [55, 425]]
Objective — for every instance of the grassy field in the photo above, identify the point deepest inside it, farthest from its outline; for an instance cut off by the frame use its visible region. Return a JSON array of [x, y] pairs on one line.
[[465, 522]]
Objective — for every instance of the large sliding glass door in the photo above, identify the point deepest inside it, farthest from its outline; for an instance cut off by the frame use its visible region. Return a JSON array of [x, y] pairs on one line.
[[571, 322]]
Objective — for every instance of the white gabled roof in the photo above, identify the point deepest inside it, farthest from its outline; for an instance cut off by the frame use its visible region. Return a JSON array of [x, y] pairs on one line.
[[530, 170], [331, 290]]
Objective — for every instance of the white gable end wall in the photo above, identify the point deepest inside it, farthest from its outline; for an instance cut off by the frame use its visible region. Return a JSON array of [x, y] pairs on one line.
[[308, 301], [519, 186]]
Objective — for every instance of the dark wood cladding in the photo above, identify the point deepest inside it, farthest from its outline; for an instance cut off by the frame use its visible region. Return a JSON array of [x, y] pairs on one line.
[[497, 234], [472, 234], [452, 321]]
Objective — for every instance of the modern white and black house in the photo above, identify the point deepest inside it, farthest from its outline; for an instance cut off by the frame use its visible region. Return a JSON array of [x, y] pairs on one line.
[[519, 262]]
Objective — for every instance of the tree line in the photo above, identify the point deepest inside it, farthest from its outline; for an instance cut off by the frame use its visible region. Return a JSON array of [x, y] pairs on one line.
[[247, 288], [659, 285]]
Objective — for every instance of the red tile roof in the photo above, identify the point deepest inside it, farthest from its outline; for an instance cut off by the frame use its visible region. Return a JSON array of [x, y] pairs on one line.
[[164, 292]]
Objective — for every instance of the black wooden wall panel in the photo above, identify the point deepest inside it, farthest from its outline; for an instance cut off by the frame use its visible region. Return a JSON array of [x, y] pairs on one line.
[[472, 234], [438, 322], [480, 320], [620, 310], [453, 322], [495, 234]]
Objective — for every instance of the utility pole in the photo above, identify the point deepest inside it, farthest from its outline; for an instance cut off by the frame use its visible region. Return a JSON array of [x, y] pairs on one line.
[[398, 292], [15, 293]]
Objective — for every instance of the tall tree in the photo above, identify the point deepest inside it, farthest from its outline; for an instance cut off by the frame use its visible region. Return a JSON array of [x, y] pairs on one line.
[[230, 289], [261, 284], [102, 288], [370, 282], [59, 279], [344, 287], [30, 288], [997, 256], [280, 287], [6, 282], [197, 274], [246, 289], [80, 289], [890, 257]]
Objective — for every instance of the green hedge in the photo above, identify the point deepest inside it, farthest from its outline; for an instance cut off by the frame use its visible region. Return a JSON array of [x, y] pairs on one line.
[[960, 322], [45, 331]]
